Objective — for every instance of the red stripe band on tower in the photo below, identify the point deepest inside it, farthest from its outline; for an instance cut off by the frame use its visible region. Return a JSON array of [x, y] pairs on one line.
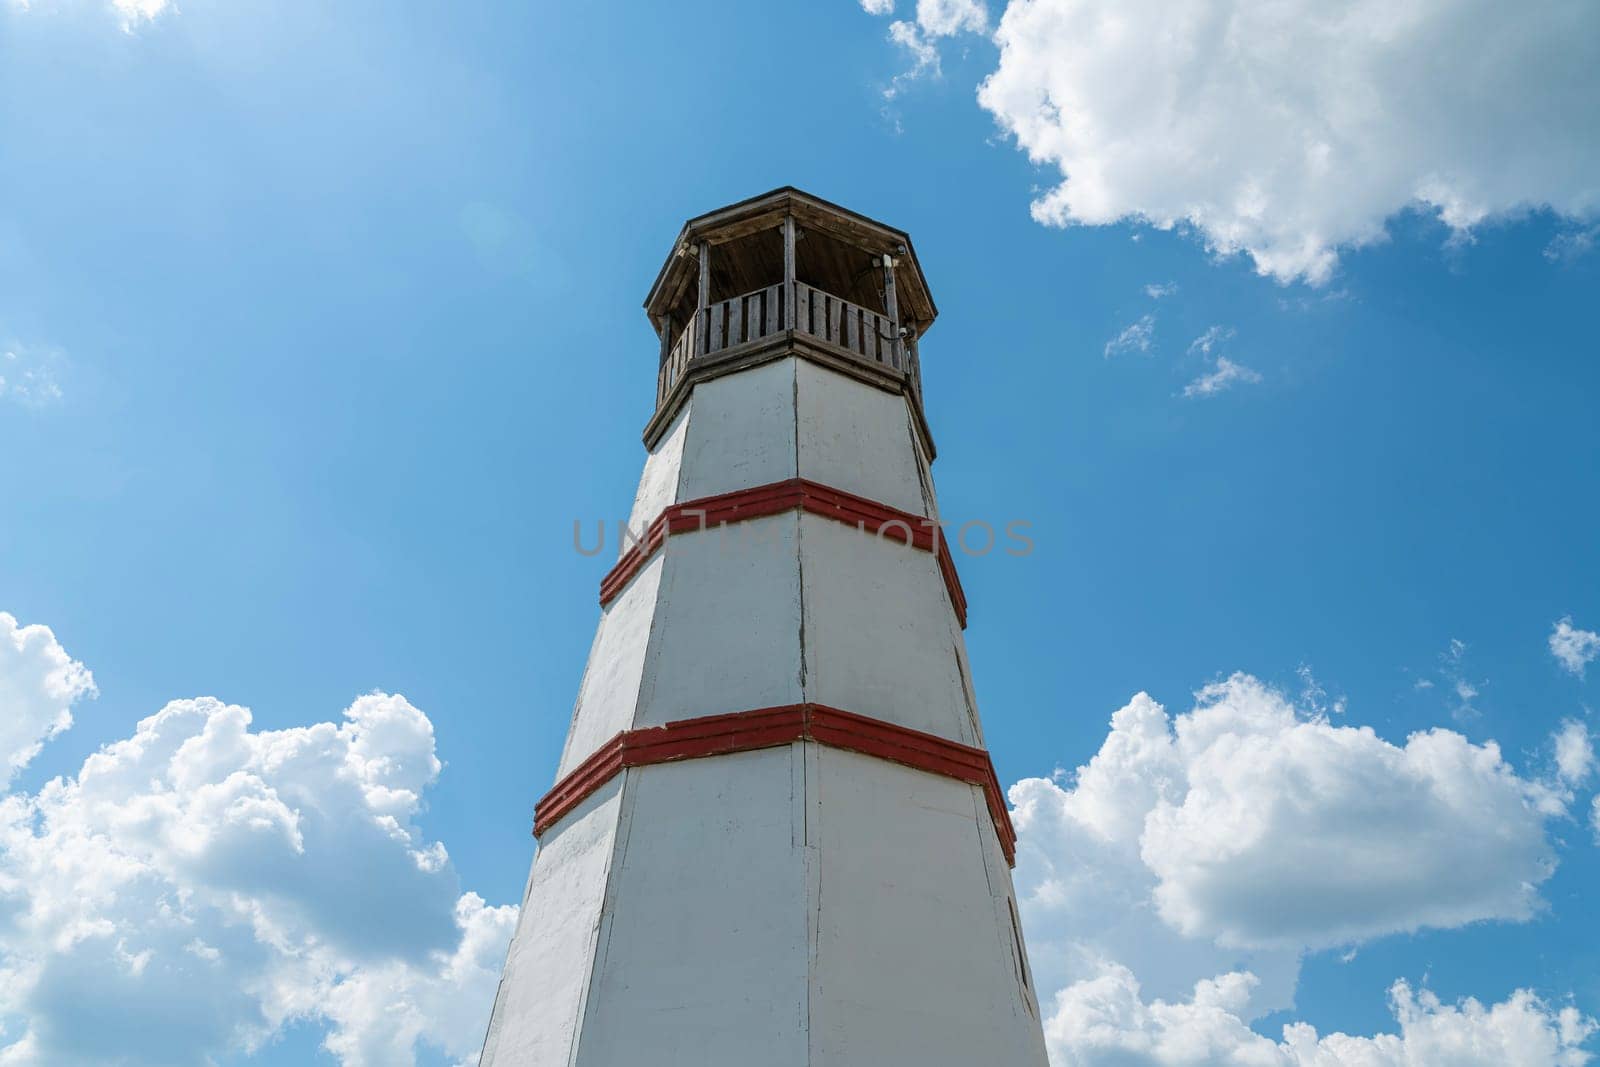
[[717, 735], [776, 498]]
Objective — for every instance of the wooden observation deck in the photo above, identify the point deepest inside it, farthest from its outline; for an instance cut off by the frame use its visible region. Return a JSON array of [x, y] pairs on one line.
[[787, 273]]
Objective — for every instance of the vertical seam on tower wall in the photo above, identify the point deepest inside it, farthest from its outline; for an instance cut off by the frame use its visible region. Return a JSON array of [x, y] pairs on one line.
[[799, 530], [656, 634], [813, 856], [809, 857], [683, 449], [930, 500], [968, 693], [645, 668], [652, 651], [577, 702], [600, 942], [980, 812]]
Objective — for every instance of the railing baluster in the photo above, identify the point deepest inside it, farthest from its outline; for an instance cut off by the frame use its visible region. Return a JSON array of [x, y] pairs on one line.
[[835, 320], [735, 321], [852, 327], [774, 319], [714, 326]]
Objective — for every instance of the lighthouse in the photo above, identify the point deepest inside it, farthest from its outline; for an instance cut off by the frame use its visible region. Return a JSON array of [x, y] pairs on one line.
[[775, 837]]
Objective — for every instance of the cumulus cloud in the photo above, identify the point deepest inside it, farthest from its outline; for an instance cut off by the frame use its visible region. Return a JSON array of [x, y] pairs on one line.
[[1088, 895], [1226, 375], [1135, 337], [39, 683], [878, 7], [1277, 808], [200, 884], [1248, 824], [1291, 131], [1573, 648], [1157, 290], [1105, 1022], [1205, 852]]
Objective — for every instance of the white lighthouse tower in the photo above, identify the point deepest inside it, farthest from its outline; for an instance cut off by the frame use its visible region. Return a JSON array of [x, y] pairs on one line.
[[775, 838]]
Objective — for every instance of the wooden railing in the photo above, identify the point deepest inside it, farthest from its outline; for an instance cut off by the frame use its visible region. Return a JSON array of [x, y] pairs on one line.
[[865, 333], [677, 360], [862, 333]]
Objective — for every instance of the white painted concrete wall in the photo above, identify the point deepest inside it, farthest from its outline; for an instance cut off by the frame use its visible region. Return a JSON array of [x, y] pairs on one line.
[[914, 964], [798, 906], [703, 956], [539, 1005], [741, 431], [658, 485], [881, 636], [856, 438], [609, 694], [727, 635]]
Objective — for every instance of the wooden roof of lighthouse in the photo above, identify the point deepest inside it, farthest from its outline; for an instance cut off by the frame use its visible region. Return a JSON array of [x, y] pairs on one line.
[[838, 251]]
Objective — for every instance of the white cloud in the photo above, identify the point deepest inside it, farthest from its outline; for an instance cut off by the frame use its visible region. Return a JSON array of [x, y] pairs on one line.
[[1209, 340], [1465, 690], [135, 11], [1105, 1022], [934, 19], [1290, 131], [130, 13], [1157, 290], [1227, 375], [28, 376], [1572, 245], [1206, 852], [39, 683], [1574, 753], [1276, 808], [1086, 892], [200, 884], [946, 18], [1244, 823], [1574, 649], [924, 56], [1135, 337]]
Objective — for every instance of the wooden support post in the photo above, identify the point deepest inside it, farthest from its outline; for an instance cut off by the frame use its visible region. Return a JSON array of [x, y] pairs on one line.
[[788, 272], [705, 297], [891, 306]]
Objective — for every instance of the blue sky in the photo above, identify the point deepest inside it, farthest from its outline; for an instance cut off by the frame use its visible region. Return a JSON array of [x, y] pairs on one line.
[[322, 326]]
